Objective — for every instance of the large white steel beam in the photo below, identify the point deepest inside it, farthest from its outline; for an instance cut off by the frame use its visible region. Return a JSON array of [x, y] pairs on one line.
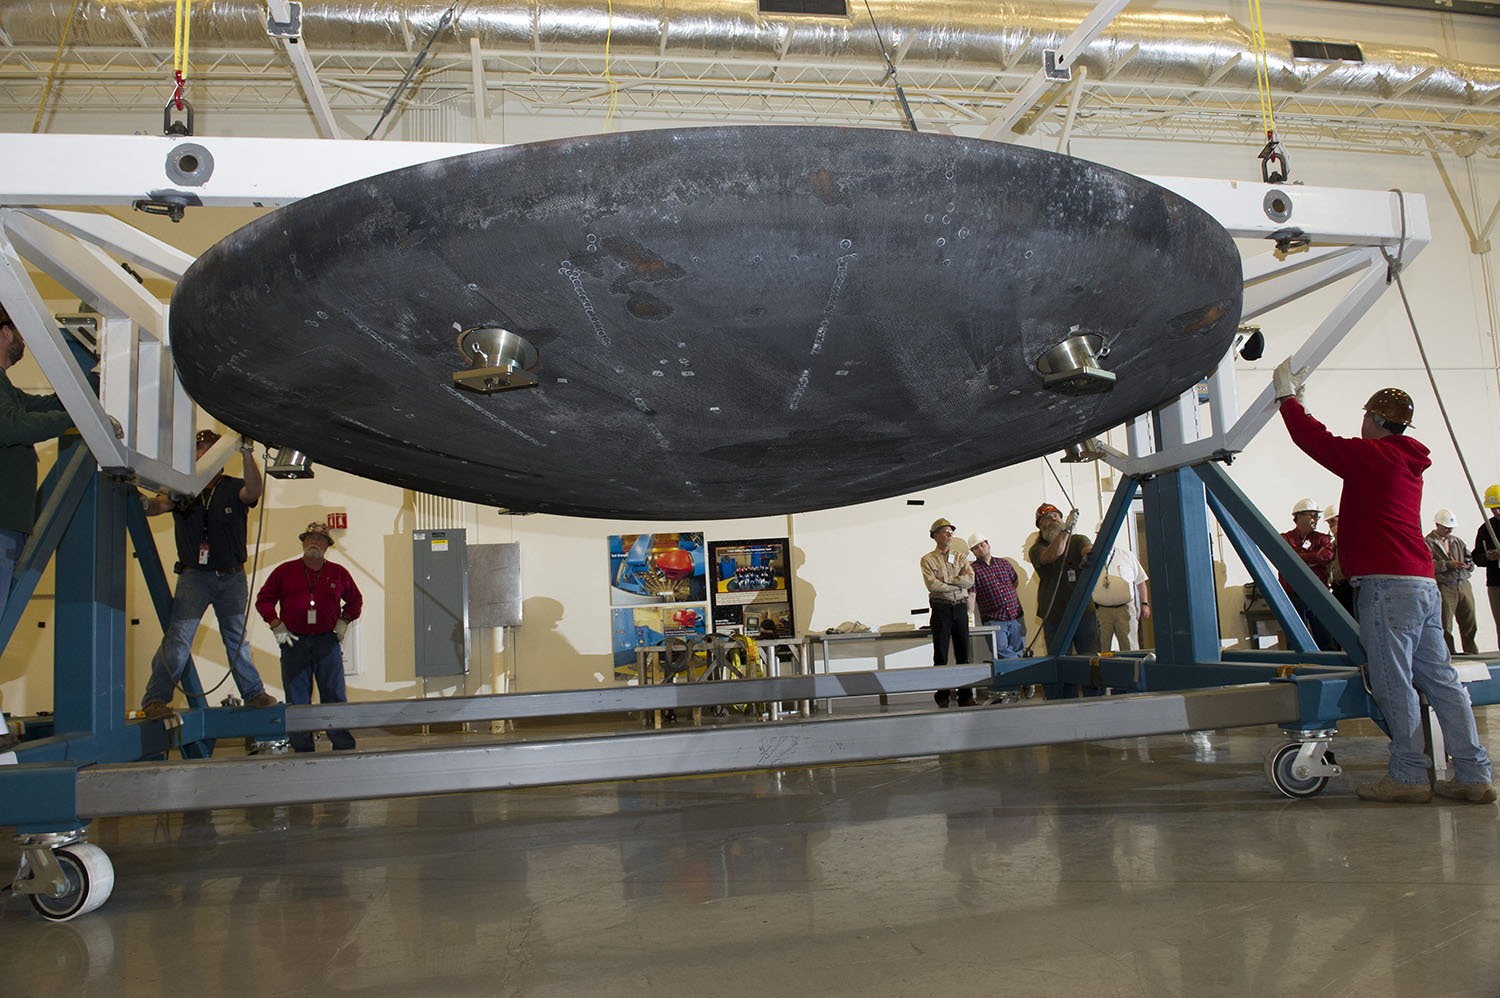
[[121, 169], [1330, 215]]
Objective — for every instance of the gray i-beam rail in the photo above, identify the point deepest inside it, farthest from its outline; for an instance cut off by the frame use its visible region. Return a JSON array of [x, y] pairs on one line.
[[613, 699], [150, 788]]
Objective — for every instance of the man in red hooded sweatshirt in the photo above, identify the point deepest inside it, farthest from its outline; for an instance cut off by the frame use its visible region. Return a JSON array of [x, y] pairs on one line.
[[1383, 554]]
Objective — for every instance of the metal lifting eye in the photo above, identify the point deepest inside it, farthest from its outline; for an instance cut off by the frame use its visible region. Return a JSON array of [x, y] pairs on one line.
[[499, 360], [1072, 367]]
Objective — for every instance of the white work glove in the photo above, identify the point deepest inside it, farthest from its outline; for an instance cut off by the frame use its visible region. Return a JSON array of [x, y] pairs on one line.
[[340, 628], [1286, 384], [1071, 521], [283, 636]]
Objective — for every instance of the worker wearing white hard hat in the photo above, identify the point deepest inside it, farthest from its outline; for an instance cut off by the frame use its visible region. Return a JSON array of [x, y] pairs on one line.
[[1486, 551], [1316, 550], [1452, 565], [995, 598]]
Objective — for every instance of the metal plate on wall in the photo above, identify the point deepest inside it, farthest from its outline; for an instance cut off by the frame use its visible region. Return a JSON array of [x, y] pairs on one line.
[[730, 321], [495, 585]]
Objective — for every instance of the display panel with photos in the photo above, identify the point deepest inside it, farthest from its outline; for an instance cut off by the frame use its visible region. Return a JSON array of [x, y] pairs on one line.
[[653, 569], [649, 627], [752, 587]]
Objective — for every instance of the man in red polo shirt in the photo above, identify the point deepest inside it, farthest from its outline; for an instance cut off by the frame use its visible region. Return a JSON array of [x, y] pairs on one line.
[[309, 603]]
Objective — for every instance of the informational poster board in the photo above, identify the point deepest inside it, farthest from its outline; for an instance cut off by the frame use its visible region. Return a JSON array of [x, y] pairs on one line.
[[652, 569], [752, 587], [650, 626], [658, 585]]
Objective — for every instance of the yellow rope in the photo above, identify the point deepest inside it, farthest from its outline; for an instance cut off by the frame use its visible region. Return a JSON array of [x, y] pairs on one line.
[[1262, 70], [614, 91], [52, 73], [180, 34]]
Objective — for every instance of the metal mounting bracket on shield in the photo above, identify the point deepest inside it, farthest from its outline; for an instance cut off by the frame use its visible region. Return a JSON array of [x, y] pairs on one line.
[[499, 360], [1072, 367]]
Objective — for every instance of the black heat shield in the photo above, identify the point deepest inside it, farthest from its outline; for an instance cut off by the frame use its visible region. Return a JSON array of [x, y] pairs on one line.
[[731, 321]]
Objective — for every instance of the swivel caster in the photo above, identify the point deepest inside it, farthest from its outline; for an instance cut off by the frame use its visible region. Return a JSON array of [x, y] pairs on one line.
[[1301, 769], [63, 875]]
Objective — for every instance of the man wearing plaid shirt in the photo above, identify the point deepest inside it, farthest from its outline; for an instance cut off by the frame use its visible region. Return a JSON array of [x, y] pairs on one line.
[[995, 598]]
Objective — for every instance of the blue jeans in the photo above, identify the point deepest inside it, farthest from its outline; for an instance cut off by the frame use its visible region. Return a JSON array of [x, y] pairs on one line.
[[11, 544], [1010, 640], [197, 590], [315, 658], [1400, 625]]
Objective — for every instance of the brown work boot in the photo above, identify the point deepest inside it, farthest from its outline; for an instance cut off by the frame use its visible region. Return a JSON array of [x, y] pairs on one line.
[[262, 699], [1389, 791], [1474, 793], [157, 711]]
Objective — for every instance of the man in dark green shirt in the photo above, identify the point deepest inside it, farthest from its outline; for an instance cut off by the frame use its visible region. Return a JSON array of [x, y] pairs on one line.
[[25, 420]]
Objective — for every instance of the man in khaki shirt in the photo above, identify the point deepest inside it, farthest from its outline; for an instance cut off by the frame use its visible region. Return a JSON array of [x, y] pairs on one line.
[[948, 576]]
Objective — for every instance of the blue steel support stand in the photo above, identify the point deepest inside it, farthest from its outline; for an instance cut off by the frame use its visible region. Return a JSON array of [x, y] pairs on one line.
[[88, 695], [1330, 684], [1186, 622]]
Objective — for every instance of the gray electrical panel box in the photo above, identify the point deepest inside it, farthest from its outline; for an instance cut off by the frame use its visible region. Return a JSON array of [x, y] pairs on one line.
[[440, 577]]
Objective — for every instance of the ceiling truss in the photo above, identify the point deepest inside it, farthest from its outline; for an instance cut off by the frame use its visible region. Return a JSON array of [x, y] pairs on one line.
[[664, 86]]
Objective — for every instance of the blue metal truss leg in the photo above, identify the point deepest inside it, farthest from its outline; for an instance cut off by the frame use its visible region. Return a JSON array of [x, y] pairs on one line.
[[89, 650], [61, 492], [1083, 589], [1186, 621], [1253, 537]]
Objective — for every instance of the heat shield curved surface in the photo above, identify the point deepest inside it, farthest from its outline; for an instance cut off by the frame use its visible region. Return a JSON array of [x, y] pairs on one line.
[[730, 321]]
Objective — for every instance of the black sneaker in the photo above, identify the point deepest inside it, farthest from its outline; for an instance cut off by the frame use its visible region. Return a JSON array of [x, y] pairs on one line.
[[941, 696], [966, 698]]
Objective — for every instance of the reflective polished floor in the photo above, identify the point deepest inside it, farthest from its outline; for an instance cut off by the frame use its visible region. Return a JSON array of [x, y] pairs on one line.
[[1160, 866]]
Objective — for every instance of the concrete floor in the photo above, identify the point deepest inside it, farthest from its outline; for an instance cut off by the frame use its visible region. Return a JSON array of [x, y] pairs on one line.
[[1158, 866]]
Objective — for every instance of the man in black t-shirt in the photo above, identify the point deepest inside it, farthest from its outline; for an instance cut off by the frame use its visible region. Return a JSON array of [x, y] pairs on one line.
[[210, 529]]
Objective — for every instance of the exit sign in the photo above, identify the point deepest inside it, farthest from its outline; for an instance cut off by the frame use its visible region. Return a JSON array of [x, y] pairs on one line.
[[338, 521]]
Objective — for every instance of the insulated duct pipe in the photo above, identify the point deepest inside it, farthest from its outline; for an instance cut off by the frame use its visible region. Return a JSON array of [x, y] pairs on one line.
[[1151, 47]]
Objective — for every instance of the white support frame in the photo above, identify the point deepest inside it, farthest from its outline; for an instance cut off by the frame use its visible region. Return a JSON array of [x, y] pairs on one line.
[[1349, 230]]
